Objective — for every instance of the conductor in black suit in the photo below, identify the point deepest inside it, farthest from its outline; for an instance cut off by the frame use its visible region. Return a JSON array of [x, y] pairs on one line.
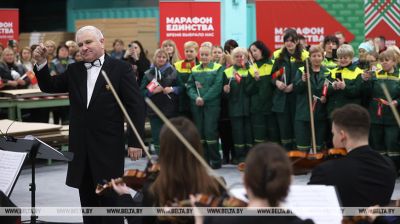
[[363, 178], [96, 132]]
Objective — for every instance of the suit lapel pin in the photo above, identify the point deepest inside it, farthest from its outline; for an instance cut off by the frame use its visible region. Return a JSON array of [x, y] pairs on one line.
[[108, 87]]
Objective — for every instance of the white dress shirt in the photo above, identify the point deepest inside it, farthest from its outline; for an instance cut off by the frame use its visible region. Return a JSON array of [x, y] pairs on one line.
[[92, 75]]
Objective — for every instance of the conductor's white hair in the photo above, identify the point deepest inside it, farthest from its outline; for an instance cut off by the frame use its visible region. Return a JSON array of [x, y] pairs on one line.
[[91, 29]]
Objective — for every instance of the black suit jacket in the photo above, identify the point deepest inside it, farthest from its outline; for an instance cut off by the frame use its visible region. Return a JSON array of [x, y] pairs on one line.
[[96, 133], [363, 178]]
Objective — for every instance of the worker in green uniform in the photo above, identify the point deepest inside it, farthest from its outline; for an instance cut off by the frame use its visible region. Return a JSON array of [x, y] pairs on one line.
[[160, 84], [384, 128], [317, 75], [239, 103], [259, 87], [345, 80], [330, 45], [184, 69], [345, 84], [290, 58], [204, 90]]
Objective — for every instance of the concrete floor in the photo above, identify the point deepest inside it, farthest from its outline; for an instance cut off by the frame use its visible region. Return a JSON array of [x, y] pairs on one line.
[[52, 191]]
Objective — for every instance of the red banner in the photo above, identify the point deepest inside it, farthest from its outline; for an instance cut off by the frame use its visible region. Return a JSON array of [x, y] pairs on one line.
[[383, 29], [9, 25], [381, 18], [195, 21], [307, 17]]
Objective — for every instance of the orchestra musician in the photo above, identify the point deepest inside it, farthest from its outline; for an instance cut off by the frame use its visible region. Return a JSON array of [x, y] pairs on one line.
[[180, 175], [267, 179], [363, 178]]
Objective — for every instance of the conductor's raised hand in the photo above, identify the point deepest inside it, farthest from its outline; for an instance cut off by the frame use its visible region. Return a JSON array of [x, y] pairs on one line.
[[40, 54]]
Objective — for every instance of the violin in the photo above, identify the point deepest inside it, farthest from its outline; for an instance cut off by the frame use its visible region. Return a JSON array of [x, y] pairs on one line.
[[203, 200], [133, 178], [337, 153], [303, 162]]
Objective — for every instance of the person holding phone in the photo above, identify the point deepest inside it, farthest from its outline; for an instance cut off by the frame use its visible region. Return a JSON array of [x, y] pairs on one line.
[[345, 85], [135, 55], [345, 81], [330, 46]]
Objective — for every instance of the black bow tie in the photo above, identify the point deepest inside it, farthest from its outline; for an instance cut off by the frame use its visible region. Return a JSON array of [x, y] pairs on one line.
[[96, 63]]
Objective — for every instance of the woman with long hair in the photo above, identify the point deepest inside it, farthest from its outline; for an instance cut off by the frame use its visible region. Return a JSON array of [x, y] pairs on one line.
[[260, 89], [136, 56], [180, 175], [287, 61], [11, 72], [173, 53]]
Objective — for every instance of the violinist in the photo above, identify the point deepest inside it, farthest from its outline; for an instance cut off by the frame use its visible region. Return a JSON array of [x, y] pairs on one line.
[[181, 174], [267, 178], [364, 177]]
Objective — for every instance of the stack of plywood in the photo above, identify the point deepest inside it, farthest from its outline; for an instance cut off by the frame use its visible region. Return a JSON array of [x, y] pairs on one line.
[[141, 29], [27, 39], [54, 135]]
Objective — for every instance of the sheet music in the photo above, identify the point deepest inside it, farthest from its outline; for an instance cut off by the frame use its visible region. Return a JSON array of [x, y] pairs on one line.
[[314, 196], [302, 197], [10, 165]]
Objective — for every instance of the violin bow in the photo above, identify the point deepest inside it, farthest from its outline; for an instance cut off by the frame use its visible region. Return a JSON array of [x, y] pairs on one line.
[[310, 98], [126, 114], [389, 98], [185, 142]]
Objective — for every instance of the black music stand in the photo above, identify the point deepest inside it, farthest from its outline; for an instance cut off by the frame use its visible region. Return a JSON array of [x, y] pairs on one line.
[[35, 149]]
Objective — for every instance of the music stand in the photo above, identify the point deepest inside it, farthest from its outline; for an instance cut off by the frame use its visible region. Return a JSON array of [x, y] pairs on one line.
[[35, 149]]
